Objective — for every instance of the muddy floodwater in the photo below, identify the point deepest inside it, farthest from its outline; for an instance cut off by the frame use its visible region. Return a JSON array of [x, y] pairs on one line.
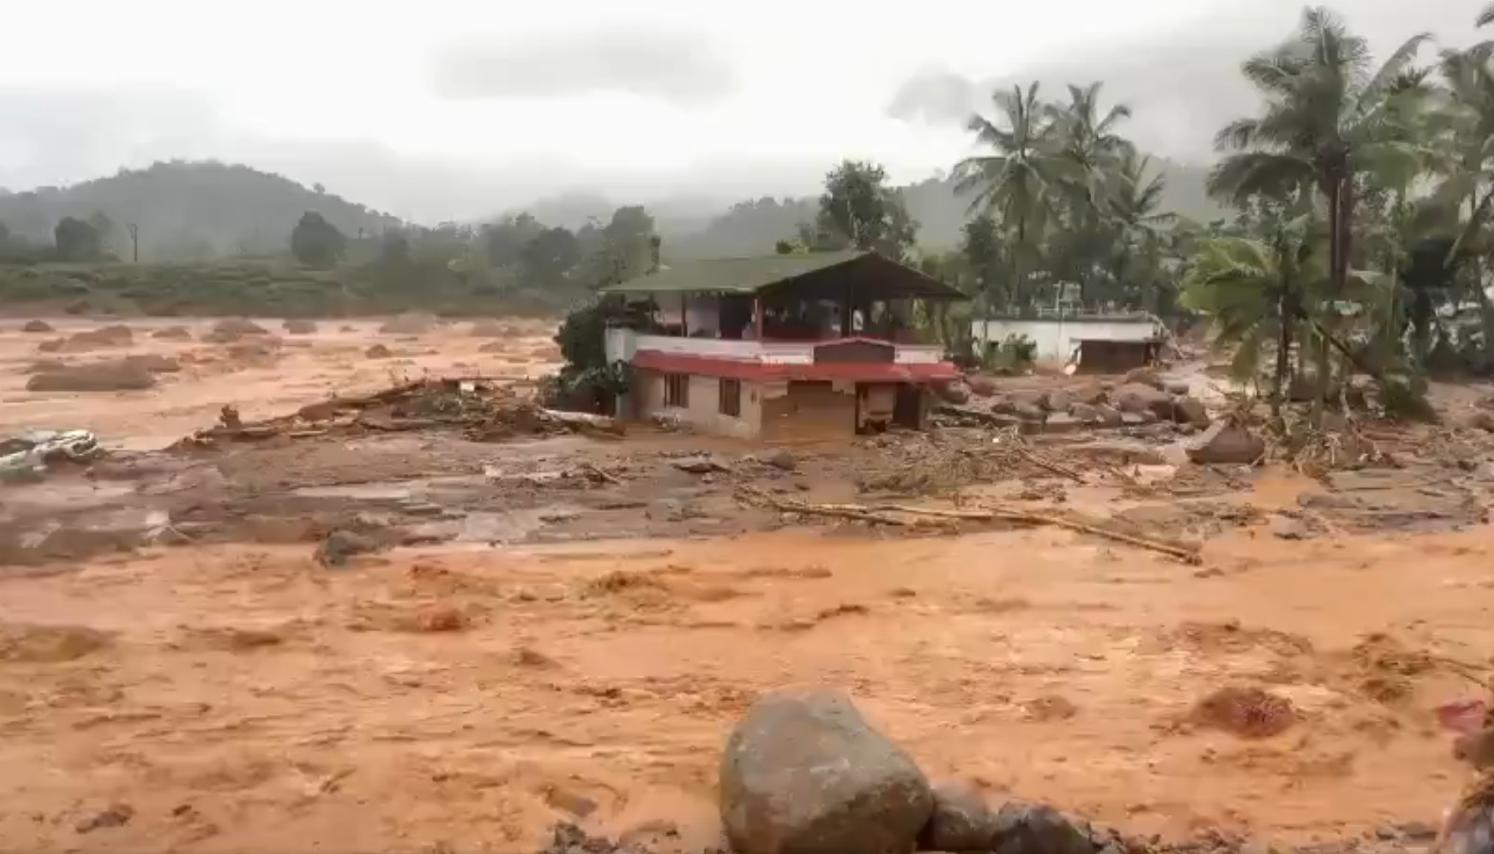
[[527, 648]]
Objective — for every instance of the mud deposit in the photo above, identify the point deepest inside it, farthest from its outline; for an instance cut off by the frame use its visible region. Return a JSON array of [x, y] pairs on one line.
[[526, 641]]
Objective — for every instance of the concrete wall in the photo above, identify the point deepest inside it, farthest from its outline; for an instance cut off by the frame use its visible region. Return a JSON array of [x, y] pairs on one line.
[[1057, 339], [703, 412], [806, 410]]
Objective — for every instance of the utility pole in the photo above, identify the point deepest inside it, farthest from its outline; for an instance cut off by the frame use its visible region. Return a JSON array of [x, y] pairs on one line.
[[134, 242]]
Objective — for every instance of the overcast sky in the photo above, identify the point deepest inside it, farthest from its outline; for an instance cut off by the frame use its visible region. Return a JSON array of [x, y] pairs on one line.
[[451, 110]]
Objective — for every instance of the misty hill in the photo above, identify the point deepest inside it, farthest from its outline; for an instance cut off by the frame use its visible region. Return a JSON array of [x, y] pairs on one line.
[[188, 211], [752, 227]]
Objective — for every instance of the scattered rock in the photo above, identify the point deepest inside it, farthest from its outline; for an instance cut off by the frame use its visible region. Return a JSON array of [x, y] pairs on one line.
[[1226, 442], [377, 351], [1041, 828], [803, 773], [1087, 413], [299, 327], [567, 838], [1109, 415], [1144, 376], [494, 347], [1245, 712], [981, 386], [1190, 410], [781, 459], [1093, 394], [703, 464], [1137, 397], [1062, 422], [1057, 400], [1028, 411], [41, 366], [115, 816], [173, 333], [103, 376], [155, 363], [116, 335], [961, 821], [408, 324], [956, 392], [37, 326], [231, 329], [1178, 389], [341, 545], [51, 345]]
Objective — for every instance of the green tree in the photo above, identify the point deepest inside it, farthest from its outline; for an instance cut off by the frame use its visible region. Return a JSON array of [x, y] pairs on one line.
[[858, 209], [548, 259], [316, 242], [1330, 116], [77, 240], [1016, 182], [1133, 202]]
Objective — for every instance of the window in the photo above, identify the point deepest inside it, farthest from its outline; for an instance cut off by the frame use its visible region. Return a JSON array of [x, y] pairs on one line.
[[731, 398], [677, 390]]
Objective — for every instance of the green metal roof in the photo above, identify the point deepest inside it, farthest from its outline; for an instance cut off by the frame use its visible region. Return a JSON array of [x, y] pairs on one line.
[[755, 274]]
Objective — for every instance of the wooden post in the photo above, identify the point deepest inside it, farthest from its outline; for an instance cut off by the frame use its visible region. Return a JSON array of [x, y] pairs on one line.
[[757, 316], [684, 319]]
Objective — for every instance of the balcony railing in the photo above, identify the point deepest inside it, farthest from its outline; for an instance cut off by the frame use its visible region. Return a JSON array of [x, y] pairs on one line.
[[622, 343]]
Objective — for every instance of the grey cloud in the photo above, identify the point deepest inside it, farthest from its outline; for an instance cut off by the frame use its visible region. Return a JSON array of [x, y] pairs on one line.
[[935, 97], [676, 67], [1185, 84]]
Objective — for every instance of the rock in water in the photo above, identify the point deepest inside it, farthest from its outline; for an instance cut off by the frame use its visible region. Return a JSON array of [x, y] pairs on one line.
[[961, 821], [1226, 442], [803, 773], [1040, 828], [37, 326], [1190, 410], [981, 386], [341, 545], [1137, 397]]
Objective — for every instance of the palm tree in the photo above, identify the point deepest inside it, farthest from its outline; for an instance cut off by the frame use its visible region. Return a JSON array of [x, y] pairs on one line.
[[1017, 180], [1329, 117], [1255, 291], [1486, 16], [1132, 200]]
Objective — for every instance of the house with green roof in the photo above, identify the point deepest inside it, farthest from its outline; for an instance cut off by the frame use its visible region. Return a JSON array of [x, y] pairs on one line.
[[779, 347]]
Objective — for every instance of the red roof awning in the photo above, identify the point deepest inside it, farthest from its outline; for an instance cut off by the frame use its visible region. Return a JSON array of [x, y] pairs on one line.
[[873, 372]]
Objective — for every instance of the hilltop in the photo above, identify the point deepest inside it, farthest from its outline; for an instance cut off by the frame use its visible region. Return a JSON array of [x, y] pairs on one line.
[[188, 211]]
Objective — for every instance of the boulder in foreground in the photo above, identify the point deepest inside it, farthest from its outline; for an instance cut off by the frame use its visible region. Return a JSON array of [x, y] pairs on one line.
[[123, 375], [1227, 442], [804, 773]]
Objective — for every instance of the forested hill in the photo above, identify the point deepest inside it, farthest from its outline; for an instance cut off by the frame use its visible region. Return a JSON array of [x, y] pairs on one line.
[[187, 211], [752, 227]]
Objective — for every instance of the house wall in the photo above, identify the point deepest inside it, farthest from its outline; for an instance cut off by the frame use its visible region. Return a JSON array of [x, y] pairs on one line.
[[703, 411], [621, 343], [1057, 339], [795, 410]]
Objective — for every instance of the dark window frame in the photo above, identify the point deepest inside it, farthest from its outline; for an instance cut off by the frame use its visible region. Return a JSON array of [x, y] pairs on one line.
[[729, 397]]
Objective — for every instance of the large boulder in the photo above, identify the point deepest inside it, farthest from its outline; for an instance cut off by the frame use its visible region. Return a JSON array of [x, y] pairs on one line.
[[1145, 376], [1226, 442], [1138, 397], [1093, 394], [803, 773], [1109, 415], [37, 326], [1057, 400], [961, 821], [1190, 410], [955, 391], [1028, 411], [982, 386], [122, 375]]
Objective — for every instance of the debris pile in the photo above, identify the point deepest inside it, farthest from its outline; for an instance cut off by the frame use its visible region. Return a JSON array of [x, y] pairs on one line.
[[1140, 400], [482, 410], [27, 456]]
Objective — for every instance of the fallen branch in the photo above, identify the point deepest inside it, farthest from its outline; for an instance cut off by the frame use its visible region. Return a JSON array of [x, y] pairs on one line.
[[1051, 466], [888, 514]]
